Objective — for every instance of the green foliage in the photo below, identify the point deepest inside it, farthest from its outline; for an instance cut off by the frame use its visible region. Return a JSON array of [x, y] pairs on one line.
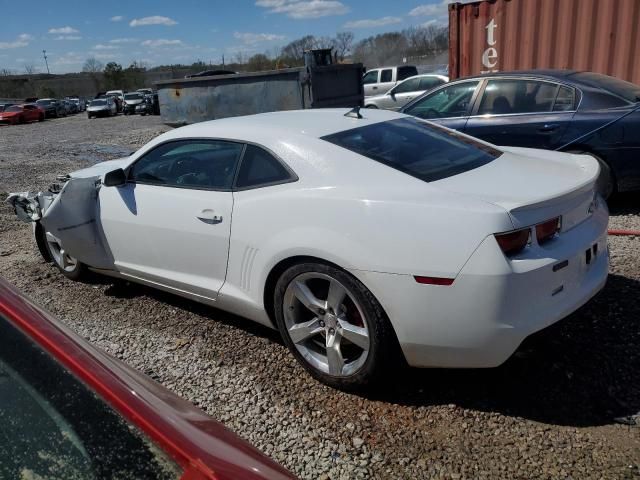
[[113, 76], [45, 92]]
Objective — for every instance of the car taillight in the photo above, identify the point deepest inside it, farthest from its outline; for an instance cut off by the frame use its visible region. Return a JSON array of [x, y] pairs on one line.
[[512, 243], [546, 231]]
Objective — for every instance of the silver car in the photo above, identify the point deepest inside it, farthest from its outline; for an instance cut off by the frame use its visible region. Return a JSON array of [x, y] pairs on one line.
[[102, 107], [405, 91]]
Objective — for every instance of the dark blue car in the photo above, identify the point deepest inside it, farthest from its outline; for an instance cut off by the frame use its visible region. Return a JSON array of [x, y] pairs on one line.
[[552, 109]]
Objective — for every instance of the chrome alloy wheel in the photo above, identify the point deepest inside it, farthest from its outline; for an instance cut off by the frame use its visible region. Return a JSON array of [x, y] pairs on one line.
[[60, 257], [326, 324]]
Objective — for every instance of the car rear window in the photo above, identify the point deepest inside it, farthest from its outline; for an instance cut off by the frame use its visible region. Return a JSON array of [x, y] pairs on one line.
[[53, 426], [420, 149], [626, 90]]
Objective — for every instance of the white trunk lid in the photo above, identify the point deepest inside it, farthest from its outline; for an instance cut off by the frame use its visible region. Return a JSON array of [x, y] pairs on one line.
[[532, 185]]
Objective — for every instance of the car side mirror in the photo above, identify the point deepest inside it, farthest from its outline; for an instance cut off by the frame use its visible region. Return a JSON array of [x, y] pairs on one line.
[[116, 178]]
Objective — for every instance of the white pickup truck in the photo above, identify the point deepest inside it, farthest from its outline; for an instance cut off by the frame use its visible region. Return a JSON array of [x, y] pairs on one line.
[[379, 80]]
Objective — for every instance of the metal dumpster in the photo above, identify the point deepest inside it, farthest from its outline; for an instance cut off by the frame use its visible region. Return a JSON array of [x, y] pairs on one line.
[[317, 85]]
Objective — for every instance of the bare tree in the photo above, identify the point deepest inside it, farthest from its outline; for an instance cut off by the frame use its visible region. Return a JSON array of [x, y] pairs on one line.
[[30, 69], [343, 44], [92, 65], [5, 72]]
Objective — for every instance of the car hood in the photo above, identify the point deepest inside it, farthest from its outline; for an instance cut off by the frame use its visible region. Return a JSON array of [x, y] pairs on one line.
[[98, 107], [133, 102], [101, 168], [529, 183], [9, 114]]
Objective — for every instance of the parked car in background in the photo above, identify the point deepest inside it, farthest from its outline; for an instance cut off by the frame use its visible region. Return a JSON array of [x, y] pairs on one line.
[[381, 80], [80, 105], [145, 107], [405, 91], [53, 108], [131, 101], [472, 232], [69, 410], [35, 111], [72, 107], [145, 91], [102, 107], [16, 114], [118, 95], [565, 110], [5, 105]]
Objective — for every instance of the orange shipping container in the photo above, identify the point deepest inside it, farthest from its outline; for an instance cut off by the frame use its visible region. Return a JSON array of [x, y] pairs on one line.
[[498, 35]]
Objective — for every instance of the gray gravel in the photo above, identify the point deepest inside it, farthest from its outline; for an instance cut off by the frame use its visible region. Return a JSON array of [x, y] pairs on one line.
[[547, 413]]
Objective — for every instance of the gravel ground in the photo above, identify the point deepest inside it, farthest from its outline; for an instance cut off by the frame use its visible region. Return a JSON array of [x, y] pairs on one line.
[[549, 412]]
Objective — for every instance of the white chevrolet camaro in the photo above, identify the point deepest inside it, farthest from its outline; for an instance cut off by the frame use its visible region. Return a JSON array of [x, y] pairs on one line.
[[363, 237]]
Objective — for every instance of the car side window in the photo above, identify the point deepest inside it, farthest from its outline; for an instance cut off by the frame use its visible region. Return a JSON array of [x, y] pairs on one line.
[[386, 76], [447, 102], [502, 97], [565, 100], [202, 164], [370, 77], [410, 85], [427, 83], [259, 167]]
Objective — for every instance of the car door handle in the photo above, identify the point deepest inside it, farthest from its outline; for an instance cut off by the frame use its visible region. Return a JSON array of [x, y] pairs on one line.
[[548, 127], [209, 216], [374, 88]]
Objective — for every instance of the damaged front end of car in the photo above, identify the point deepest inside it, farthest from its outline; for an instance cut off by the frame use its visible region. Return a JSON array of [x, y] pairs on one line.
[[66, 221]]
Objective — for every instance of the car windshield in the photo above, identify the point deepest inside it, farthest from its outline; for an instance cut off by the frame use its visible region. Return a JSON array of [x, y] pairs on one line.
[[44, 102], [422, 150], [627, 90], [97, 103], [133, 96], [14, 108], [53, 426]]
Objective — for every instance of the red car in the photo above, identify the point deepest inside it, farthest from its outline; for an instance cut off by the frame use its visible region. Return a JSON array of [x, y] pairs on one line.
[[21, 114], [69, 410]]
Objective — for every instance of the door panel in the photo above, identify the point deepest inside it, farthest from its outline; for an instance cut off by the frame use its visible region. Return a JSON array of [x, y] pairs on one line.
[[171, 222], [174, 236], [540, 130]]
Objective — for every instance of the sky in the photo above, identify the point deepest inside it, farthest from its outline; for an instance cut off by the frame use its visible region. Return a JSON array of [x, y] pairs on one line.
[[160, 32]]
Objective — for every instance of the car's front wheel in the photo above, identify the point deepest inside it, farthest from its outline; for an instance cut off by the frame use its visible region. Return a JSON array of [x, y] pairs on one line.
[[334, 326], [69, 266]]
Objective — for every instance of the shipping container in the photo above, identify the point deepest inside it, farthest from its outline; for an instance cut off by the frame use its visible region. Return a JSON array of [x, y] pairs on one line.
[[500, 35]]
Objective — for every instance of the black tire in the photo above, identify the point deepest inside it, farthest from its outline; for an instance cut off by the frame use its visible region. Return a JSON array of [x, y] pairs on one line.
[[77, 272], [375, 107], [606, 183], [383, 354], [41, 118]]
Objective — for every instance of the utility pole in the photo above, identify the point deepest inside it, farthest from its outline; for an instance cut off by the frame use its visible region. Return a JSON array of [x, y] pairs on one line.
[[44, 53], [223, 59]]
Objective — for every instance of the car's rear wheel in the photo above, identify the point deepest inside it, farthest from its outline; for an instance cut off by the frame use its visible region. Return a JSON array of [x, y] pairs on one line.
[[371, 106], [41, 117], [334, 326], [69, 266]]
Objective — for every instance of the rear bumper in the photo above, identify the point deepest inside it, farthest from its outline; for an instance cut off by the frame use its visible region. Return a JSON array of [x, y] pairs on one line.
[[494, 303]]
